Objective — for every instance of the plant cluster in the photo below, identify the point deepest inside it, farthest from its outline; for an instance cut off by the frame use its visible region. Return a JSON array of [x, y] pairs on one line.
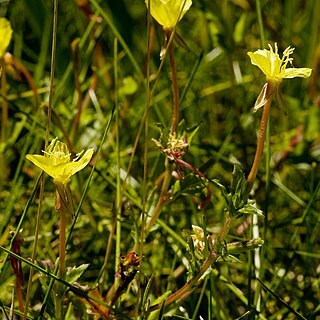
[[164, 215]]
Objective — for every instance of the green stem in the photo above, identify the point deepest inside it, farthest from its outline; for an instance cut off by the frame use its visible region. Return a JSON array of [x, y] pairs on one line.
[[4, 120], [35, 246], [118, 193], [53, 60], [224, 230]]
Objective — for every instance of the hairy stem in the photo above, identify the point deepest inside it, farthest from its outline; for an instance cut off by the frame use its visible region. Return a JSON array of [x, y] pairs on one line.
[[174, 124], [260, 145], [176, 102]]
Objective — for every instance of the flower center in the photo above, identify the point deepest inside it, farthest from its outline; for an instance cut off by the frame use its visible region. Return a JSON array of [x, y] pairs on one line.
[[59, 154]]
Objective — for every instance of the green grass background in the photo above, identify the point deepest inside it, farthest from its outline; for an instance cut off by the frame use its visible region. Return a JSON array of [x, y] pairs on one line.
[[219, 87]]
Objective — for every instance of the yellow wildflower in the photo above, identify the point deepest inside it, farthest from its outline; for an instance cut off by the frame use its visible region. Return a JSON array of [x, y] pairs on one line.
[[168, 12], [56, 161], [5, 35], [275, 70]]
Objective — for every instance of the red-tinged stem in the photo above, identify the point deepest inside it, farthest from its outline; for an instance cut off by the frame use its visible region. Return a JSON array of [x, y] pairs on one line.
[[260, 145], [176, 102], [162, 198], [174, 124], [19, 295], [201, 175], [62, 242]]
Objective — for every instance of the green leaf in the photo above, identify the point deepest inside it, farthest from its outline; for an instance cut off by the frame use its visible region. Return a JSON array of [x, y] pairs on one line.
[[191, 132], [229, 258], [239, 28], [238, 186], [250, 209], [75, 273], [227, 196], [163, 297]]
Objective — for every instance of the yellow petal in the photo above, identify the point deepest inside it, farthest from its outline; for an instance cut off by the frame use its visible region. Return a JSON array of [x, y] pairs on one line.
[[168, 12], [75, 166], [297, 72], [61, 172], [5, 35], [268, 61], [44, 163], [64, 171]]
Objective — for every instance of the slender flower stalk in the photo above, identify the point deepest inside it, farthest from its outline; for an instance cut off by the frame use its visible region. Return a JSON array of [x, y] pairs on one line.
[[168, 13], [176, 102], [57, 163], [275, 70], [260, 144]]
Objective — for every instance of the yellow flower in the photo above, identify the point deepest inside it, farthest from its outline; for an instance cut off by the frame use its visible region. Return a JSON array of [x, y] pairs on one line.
[[56, 161], [5, 35], [275, 70], [168, 12]]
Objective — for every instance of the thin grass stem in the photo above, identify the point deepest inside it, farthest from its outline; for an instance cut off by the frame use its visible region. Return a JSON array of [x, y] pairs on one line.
[[41, 194], [118, 187]]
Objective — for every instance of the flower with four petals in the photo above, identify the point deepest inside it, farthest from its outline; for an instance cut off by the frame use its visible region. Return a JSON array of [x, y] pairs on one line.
[[275, 70], [56, 161]]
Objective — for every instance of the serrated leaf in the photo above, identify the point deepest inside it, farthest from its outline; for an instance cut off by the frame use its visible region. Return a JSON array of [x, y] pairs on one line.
[[75, 273]]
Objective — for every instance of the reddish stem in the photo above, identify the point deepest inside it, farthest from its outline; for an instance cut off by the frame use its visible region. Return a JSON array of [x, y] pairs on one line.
[[260, 145], [175, 116]]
